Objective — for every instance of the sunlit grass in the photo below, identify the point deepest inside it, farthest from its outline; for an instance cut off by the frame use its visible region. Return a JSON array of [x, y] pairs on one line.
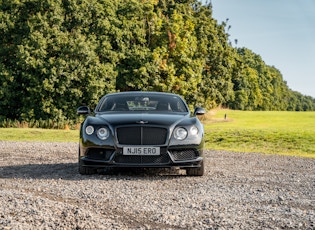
[[35, 134], [287, 133]]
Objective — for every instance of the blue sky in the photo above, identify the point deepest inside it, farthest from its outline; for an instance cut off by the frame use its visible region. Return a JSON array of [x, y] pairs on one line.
[[282, 32]]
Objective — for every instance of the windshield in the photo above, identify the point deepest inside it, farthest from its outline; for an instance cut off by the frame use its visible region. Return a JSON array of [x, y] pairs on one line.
[[165, 103]]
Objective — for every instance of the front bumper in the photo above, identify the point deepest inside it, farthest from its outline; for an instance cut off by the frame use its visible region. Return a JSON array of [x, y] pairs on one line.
[[177, 157]]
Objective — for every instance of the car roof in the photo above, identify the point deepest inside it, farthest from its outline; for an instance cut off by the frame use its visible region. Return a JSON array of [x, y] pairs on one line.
[[141, 93]]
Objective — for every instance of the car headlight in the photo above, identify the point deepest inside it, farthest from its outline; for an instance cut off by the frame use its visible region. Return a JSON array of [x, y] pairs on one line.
[[89, 130], [102, 133], [194, 130], [180, 133]]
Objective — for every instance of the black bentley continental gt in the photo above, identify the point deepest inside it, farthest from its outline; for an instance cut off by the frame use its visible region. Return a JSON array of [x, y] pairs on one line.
[[143, 130]]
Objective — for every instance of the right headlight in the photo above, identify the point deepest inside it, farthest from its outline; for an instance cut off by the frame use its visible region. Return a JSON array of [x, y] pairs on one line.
[[180, 133], [89, 130]]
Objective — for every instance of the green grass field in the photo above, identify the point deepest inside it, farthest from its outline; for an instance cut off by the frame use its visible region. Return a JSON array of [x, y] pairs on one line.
[[272, 132], [34, 134]]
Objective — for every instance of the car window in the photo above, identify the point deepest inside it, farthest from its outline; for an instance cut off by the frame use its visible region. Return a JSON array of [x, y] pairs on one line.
[[154, 103]]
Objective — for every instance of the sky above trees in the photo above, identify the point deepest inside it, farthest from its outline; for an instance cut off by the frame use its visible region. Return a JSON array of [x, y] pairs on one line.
[[281, 31]]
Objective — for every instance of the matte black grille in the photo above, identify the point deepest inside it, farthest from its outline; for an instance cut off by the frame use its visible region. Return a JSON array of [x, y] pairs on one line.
[[99, 154], [161, 159], [184, 154], [141, 135]]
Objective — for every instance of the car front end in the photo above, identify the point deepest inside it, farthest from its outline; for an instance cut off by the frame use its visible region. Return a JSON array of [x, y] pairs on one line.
[[142, 139]]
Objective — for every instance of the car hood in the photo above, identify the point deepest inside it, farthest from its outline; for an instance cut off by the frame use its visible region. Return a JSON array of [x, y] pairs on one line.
[[142, 119]]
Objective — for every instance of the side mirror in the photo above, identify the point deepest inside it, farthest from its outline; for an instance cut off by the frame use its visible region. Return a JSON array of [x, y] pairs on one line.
[[199, 111], [82, 110]]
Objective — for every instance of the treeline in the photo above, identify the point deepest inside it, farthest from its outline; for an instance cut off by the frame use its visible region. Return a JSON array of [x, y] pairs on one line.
[[58, 54]]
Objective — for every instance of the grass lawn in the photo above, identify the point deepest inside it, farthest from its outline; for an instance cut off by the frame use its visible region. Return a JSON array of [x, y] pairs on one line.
[[272, 132], [32, 134]]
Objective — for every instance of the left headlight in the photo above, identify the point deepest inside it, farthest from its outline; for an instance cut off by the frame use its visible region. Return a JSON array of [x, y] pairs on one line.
[[102, 133], [180, 133]]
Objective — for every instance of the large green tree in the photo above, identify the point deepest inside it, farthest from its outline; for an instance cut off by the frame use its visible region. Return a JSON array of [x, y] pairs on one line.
[[52, 59], [58, 54]]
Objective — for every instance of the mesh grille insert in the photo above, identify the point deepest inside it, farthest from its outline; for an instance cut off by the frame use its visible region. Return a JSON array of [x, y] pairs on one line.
[[141, 135], [184, 154], [99, 154]]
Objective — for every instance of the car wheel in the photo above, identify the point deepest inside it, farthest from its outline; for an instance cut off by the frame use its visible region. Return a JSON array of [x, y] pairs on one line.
[[196, 171], [83, 170]]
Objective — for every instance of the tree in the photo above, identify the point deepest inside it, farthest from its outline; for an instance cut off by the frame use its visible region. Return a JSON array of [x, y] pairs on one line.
[[58, 54], [52, 58]]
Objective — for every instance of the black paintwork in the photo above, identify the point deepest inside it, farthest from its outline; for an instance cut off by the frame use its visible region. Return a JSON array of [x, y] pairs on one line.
[[95, 153]]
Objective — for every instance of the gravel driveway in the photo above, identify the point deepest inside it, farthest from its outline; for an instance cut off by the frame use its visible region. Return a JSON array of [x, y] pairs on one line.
[[40, 187]]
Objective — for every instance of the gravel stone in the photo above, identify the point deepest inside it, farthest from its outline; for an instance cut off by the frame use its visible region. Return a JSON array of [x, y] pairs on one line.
[[40, 187]]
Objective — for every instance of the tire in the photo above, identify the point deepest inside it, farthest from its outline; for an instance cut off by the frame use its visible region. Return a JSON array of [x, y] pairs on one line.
[[83, 170], [196, 171]]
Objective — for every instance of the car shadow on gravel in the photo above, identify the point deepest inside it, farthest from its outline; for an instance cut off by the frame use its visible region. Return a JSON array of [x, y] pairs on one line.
[[40, 171], [69, 171]]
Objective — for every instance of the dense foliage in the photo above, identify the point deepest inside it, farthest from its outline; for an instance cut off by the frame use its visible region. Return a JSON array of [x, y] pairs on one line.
[[58, 54]]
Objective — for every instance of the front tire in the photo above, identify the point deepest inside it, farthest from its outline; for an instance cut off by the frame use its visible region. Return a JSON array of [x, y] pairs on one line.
[[83, 170], [196, 171]]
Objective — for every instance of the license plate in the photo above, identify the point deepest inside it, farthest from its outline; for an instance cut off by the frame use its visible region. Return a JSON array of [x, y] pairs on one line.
[[142, 151]]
